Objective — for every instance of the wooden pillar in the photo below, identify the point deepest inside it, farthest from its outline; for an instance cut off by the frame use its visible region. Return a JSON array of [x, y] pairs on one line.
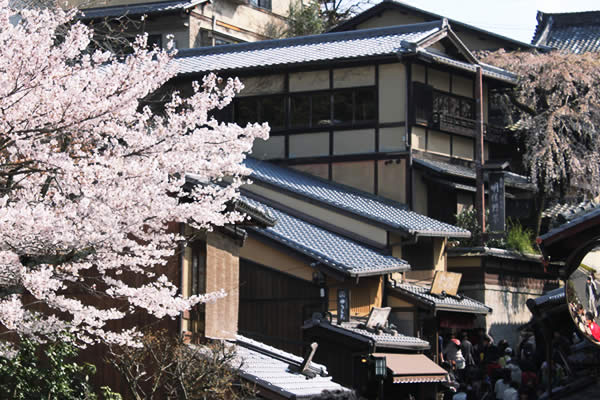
[[479, 152]]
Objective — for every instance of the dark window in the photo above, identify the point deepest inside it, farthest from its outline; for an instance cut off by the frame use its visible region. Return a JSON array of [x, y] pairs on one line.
[[453, 106], [198, 268], [155, 40], [266, 4], [198, 285], [272, 110], [222, 115], [321, 109], [300, 111], [365, 105], [246, 111], [306, 110], [420, 254], [220, 41], [343, 107], [422, 102]]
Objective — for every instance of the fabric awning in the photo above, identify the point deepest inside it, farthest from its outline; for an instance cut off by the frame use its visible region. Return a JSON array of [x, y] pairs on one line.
[[413, 368]]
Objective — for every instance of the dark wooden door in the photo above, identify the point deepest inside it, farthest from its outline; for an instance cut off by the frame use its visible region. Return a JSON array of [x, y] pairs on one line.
[[274, 305]]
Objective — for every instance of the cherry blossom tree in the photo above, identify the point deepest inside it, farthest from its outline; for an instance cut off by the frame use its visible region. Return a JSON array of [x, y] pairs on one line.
[[555, 113], [90, 178]]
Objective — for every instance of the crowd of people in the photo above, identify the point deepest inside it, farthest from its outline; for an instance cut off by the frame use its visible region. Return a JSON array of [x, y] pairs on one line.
[[488, 370], [585, 318]]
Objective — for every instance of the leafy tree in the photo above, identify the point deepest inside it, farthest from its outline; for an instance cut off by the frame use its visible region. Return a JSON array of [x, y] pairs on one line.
[[315, 17], [45, 372], [304, 19], [555, 113], [90, 180]]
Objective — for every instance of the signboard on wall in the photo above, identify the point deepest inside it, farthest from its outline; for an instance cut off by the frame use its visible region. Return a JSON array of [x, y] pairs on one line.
[[445, 282], [343, 305], [497, 201]]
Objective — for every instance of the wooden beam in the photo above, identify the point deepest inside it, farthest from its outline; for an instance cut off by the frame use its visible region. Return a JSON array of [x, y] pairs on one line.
[[479, 151]]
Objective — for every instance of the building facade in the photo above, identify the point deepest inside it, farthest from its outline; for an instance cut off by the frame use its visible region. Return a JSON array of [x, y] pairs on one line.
[[191, 24]]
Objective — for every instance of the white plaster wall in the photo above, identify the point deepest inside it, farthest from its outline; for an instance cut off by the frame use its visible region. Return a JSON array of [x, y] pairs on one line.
[[509, 309]]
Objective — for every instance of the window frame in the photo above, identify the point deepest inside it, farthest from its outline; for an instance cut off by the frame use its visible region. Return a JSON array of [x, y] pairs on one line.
[[309, 122]]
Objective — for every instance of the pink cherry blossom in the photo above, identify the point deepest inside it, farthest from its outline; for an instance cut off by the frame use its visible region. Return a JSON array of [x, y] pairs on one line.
[[89, 180]]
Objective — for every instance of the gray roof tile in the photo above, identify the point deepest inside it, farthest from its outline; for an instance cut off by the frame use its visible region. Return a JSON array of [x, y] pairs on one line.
[[139, 9], [577, 32], [381, 340], [364, 43], [269, 368], [462, 171], [447, 303], [328, 248], [580, 219], [563, 212], [392, 214]]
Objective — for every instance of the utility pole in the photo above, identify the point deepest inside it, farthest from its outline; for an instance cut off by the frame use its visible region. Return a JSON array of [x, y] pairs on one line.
[[479, 153]]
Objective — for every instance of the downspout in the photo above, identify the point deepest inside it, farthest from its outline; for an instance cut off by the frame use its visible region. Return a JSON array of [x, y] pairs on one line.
[[408, 136]]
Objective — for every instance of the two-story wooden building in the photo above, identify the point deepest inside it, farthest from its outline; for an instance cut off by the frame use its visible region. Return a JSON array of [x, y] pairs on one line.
[[390, 111], [192, 23], [387, 111]]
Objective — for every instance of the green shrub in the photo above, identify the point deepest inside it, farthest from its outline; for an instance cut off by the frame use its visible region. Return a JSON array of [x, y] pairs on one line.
[[46, 372], [519, 239]]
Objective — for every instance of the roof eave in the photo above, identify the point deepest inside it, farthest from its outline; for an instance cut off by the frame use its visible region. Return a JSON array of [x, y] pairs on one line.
[[381, 271], [335, 267], [293, 66], [462, 309], [441, 234], [397, 346]]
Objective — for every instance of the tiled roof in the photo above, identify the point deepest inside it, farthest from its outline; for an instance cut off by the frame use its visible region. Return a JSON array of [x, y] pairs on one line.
[[365, 43], [580, 219], [577, 32], [139, 9], [376, 11], [269, 368], [448, 303], [480, 251], [328, 248], [392, 214], [562, 213], [488, 70], [381, 340], [304, 49], [462, 171]]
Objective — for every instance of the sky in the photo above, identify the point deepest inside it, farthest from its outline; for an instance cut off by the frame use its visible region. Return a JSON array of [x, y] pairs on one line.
[[512, 18]]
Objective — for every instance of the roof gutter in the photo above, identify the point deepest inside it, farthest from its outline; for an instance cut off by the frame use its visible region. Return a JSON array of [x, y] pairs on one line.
[[465, 310], [379, 272]]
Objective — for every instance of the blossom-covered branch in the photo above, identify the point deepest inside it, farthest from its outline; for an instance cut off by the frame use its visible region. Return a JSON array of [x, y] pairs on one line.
[[90, 180]]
